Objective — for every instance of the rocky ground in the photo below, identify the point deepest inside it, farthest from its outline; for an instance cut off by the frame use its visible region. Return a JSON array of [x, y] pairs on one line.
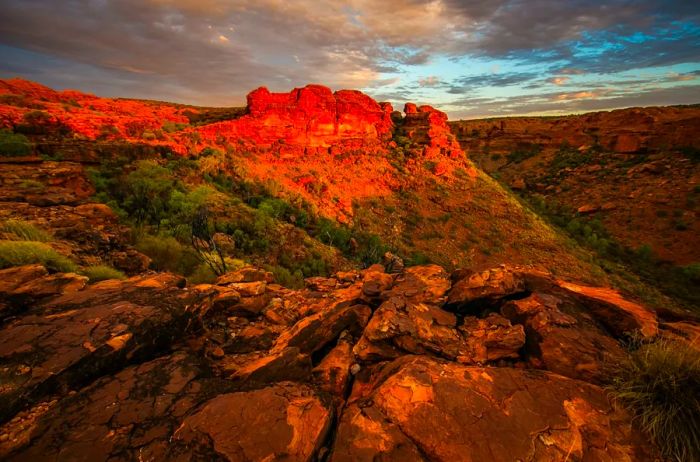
[[505, 364]]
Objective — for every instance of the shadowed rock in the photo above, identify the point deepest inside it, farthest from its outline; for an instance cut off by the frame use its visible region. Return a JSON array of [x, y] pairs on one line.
[[81, 335]]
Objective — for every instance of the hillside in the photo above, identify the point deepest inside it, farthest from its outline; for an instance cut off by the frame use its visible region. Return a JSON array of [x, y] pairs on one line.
[[340, 156], [313, 277], [634, 169], [632, 176]]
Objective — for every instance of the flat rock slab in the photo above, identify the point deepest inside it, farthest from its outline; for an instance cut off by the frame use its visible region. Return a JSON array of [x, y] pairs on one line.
[[130, 416], [420, 408], [620, 315], [286, 421], [79, 336]]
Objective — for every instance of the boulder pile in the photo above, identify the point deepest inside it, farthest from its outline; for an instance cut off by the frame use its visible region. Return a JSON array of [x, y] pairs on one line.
[[420, 364]]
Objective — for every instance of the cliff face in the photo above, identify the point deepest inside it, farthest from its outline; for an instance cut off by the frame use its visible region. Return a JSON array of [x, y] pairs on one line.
[[308, 120], [624, 131], [427, 126]]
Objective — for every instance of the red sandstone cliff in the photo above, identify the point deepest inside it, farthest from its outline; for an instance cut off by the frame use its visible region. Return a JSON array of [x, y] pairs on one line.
[[306, 120], [330, 148]]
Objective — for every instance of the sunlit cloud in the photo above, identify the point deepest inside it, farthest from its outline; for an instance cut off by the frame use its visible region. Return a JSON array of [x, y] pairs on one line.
[[579, 95], [558, 80]]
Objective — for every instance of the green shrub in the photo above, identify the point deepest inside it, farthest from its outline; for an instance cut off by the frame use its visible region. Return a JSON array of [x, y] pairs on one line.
[[202, 274], [14, 145], [102, 272], [691, 152], [692, 272], [660, 385], [18, 253], [171, 127], [287, 278], [417, 258], [24, 231], [168, 254]]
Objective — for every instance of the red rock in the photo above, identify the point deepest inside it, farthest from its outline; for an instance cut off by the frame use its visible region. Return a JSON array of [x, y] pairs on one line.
[[283, 422], [417, 408], [474, 290], [79, 335], [490, 339], [411, 327], [314, 332], [428, 126], [570, 344], [587, 208], [306, 119], [333, 372], [246, 274], [261, 368], [626, 143], [132, 413], [410, 108], [619, 315]]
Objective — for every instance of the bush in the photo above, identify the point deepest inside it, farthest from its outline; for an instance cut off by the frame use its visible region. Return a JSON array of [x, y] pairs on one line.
[[24, 231], [660, 385], [18, 253], [14, 145], [102, 272], [692, 272], [202, 274], [287, 278], [168, 254]]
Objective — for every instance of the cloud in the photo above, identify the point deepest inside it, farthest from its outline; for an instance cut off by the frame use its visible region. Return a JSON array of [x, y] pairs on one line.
[[470, 83], [558, 80], [214, 51], [579, 95], [554, 103], [430, 81]]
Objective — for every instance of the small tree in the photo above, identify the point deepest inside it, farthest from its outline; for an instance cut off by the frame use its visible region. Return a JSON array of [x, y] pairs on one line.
[[204, 243]]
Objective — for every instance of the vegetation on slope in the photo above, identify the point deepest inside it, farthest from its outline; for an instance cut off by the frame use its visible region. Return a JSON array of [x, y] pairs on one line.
[[160, 199], [17, 253]]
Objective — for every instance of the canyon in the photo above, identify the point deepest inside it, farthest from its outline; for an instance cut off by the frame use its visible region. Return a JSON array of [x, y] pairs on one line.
[[318, 277]]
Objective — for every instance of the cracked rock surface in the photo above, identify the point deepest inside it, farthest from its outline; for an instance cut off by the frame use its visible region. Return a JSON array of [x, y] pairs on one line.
[[411, 365]]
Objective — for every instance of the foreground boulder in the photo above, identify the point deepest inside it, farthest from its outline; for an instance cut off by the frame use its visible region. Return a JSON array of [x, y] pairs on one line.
[[283, 422], [569, 343], [78, 336], [421, 409], [133, 412]]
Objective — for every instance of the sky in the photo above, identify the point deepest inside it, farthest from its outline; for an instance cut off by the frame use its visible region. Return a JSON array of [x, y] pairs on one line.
[[470, 58]]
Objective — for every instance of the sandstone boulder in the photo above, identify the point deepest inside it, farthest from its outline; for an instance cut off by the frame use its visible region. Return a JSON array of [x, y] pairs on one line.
[[425, 409], [568, 344], [131, 415], [283, 422], [77, 336]]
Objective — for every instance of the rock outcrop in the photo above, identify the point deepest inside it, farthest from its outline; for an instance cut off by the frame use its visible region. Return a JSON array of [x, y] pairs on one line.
[[309, 120], [365, 365], [428, 127]]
